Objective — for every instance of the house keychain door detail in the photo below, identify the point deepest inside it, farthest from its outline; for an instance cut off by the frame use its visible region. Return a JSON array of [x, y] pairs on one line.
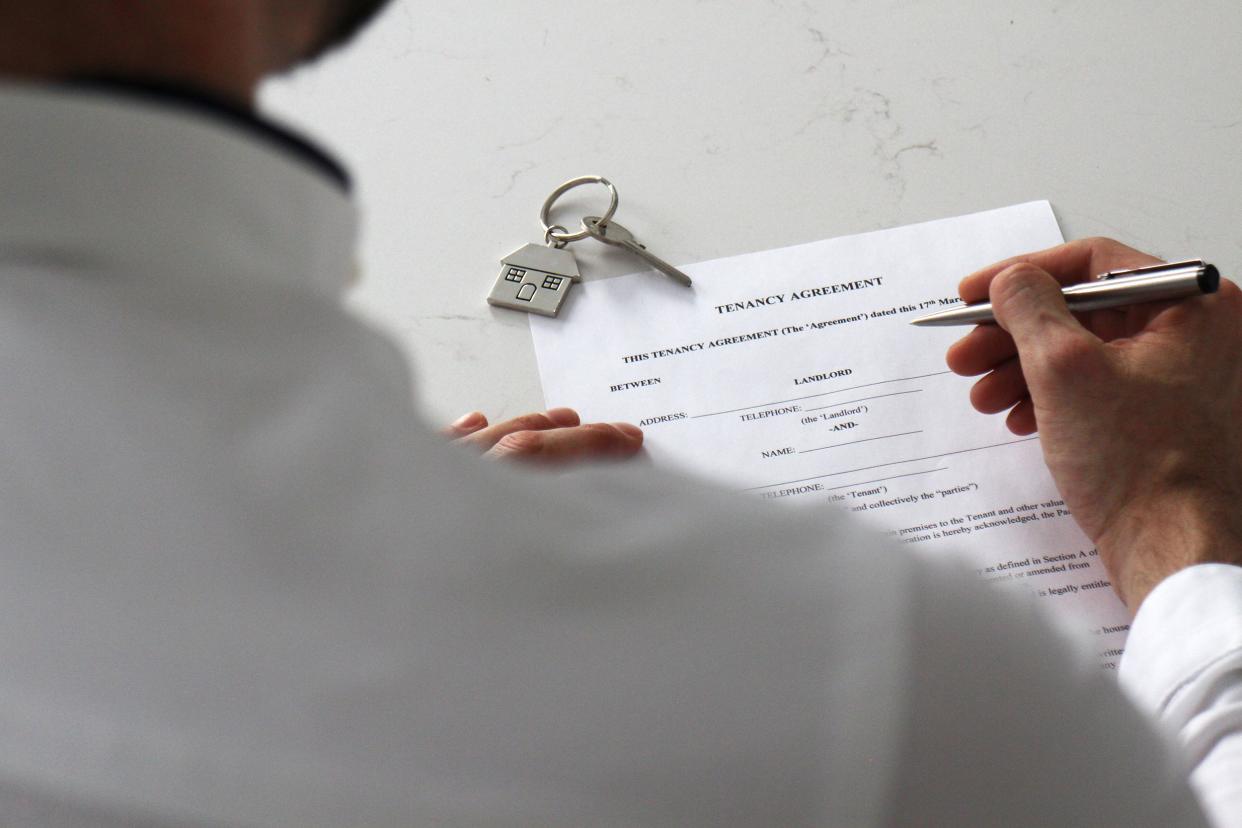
[[535, 278]]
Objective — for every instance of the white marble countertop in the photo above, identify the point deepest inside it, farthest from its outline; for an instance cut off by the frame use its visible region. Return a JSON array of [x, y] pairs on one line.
[[738, 125]]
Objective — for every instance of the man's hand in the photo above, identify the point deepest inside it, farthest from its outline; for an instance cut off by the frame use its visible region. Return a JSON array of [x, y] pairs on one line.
[[1138, 408], [555, 438]]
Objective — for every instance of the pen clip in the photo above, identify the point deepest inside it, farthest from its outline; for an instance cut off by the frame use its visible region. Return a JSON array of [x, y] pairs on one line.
[[1149, 270]]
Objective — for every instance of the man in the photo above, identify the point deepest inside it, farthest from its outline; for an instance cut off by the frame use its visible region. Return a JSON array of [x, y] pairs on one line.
[[243, 586]]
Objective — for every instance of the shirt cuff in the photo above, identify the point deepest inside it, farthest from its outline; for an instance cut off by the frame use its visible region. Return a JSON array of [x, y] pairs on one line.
[[1186, 636]]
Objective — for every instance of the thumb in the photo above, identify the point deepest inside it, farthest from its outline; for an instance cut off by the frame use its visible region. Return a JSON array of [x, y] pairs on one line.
[[1028, 304]]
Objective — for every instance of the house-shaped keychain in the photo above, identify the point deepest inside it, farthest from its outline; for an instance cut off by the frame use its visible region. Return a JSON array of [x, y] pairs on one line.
[[535, 278]]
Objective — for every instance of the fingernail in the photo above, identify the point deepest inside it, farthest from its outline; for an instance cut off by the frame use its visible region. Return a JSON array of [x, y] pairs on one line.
[[631, 431], [472, 420], [563, 416]]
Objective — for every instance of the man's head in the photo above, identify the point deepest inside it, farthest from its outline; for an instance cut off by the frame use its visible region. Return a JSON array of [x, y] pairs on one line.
[[221, 46]]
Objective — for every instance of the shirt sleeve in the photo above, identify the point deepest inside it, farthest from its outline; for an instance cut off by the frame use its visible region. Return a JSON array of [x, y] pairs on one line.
[[1183, 664]]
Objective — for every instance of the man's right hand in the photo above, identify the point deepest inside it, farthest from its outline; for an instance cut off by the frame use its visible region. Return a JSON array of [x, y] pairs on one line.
[[1138, 409]]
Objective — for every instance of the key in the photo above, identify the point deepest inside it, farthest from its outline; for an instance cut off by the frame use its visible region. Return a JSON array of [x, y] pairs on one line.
[[612, 233]]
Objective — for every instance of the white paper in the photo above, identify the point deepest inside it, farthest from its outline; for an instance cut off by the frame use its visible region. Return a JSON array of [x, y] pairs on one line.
[[793, 374]]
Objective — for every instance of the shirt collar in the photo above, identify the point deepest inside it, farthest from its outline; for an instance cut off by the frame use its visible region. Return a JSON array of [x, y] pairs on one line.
[[174, 191], [198, 101]]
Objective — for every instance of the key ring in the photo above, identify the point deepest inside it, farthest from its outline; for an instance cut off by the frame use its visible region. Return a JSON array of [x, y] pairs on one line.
[[550, 236], [563, 238]]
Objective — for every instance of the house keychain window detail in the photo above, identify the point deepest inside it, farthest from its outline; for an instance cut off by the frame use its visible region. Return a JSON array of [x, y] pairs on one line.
[[537, 278]]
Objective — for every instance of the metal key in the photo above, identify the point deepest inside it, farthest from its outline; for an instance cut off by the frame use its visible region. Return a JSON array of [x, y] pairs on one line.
[[612, 233]]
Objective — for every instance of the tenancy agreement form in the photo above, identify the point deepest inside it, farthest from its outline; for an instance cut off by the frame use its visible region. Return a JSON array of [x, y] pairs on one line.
[[795, 375]]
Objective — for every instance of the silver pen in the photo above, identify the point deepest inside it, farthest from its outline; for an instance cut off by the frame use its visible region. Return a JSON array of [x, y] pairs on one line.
[[1155, 283]]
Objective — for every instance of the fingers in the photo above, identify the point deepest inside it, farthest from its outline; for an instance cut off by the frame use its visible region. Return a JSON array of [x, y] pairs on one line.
[[596, 441], [1005, 388], [987, 347], [465, 424], [981, 350], [483, 439], [1035, 324], [1068, 263], [1000, 390], [1033, 302], [1021, 421], [1029, 305], [554, 437]]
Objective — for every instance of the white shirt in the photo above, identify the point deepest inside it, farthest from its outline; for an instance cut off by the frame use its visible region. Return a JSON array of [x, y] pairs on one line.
[[241, 583]]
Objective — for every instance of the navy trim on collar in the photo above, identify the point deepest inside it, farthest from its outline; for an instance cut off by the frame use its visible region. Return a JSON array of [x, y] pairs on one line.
[[192, 98]]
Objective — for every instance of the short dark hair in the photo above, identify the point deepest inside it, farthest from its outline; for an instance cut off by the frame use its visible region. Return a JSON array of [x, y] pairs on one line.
[[346, 18]]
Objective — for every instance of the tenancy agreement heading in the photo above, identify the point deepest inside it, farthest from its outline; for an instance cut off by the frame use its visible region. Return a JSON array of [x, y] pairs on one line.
[[794, 375], [806, 293]]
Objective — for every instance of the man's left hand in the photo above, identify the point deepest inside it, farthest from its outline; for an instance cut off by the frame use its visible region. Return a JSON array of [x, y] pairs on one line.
[[554, 438]]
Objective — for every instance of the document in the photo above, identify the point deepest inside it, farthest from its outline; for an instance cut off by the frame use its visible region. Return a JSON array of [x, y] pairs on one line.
[[795, 376]]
